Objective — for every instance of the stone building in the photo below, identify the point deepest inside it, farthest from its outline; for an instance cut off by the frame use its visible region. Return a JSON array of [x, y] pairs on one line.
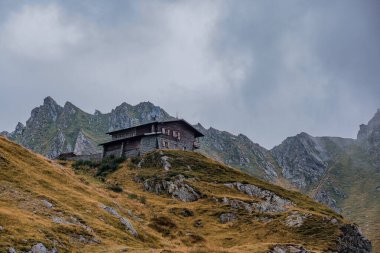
[[138, 140]]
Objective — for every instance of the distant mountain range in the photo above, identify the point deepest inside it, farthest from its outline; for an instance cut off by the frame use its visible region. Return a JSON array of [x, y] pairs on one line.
[[339, 172]]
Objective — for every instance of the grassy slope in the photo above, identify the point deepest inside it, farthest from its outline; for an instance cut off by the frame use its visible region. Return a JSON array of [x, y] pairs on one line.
[[354, 174], [27, 178]]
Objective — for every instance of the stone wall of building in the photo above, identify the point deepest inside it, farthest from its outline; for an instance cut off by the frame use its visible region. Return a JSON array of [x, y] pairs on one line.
[[148, 143]]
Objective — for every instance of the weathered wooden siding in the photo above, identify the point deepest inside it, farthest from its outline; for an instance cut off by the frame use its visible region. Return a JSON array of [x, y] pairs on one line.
[[131, 147], [135, 131], [112, 150], [186, 140]]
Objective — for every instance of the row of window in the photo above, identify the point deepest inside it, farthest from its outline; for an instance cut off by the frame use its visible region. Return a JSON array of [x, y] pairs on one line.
[[176, 134]]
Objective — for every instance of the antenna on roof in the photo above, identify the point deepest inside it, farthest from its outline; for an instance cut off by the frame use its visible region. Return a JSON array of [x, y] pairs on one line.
[[176, 115]]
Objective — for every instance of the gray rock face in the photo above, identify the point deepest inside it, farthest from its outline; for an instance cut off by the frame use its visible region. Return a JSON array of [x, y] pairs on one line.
[[271, 202], [296, 219], [238, 151], [177, 188], [227, 217], [303, 160], [40, 248], [58, 145], [323, 197], [126, 115], [84, 146], [128, 225], [6, 134], [287, 249], [352, 240], [47, 203], [369, 136]]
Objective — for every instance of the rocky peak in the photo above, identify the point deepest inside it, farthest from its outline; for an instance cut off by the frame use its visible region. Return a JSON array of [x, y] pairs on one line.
[[49, 101], [19, 128], [46, 113], [70, 108], [97, 113], [303, 159], [373, 126], [369, 137], [6, 134]]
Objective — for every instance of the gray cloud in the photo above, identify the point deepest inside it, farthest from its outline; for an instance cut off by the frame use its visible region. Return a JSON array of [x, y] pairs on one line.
[[268, 69]]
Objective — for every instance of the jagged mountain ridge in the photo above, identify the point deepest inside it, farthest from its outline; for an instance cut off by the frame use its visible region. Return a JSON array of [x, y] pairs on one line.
[[53, 129]]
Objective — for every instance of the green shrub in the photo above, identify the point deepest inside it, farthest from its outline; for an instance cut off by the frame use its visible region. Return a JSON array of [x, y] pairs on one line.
[[143, 200], [108, 165], [80, 164], [132, 196], [114, 188]]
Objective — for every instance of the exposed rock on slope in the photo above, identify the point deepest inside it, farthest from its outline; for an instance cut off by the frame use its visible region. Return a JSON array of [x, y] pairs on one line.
[[177, 188], [352, 240]]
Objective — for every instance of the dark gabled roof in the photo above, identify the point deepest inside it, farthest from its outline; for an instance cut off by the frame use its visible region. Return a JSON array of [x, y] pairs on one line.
[[125, 138], [197, 133]]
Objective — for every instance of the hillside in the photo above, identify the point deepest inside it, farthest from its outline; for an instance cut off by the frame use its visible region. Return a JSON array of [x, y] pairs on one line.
[[341, 173], [194, 205]]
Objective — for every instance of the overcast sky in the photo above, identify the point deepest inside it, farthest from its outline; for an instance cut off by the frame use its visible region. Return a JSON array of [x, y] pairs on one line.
[[267, 69]]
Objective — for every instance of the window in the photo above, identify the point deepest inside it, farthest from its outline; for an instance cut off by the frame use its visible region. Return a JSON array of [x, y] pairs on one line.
[[175, 134], [168, 131], [163, 130], [165, 144], [179, 136]]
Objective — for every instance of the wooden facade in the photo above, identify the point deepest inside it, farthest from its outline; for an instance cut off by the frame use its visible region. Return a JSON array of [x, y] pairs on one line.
[[138, 140]]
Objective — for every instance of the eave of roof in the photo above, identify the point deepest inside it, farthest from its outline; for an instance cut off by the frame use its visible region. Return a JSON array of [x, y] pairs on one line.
[[127, 138], [197, 132]]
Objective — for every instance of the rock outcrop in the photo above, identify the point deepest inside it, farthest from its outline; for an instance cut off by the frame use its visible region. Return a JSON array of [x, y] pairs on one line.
[[369, 136], [352, 240], [84, 145], [303, 160], [40, 248], [176, 187], [271, 201], [288, 249], [128, 225]]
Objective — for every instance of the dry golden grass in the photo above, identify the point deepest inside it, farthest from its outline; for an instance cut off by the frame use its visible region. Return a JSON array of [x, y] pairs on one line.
[[26, 179]]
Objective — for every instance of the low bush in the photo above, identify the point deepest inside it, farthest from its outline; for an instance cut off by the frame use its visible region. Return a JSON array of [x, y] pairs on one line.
[[108, 165], [114, 187]]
